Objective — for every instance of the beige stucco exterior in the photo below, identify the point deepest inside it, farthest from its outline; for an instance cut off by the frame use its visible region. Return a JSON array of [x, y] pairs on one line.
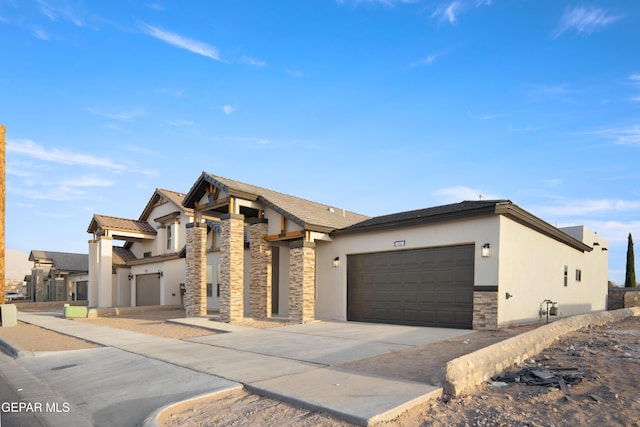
[[524, 263]]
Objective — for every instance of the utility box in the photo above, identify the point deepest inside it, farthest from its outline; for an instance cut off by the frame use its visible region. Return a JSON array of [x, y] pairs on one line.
[[8, 315], [71, 312]]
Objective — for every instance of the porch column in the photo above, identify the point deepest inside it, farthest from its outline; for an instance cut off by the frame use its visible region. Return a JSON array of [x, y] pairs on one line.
[[195, 297], [105, 272], [231, 267], [260, 269], [92, 288], [61, 288], [302, 281]]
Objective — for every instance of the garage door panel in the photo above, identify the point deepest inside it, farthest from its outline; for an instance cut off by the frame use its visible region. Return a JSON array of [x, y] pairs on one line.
[[428, 287], [147, 289]]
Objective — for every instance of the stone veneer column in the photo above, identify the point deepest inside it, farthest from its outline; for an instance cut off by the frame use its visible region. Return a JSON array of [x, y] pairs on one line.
[[485, 310], [195, 297], [231, 267], [61, 294], [260, 269], [302, 281]]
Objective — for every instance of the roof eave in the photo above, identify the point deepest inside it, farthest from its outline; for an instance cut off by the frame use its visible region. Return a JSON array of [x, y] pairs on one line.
[[518, 214], [449, 216]]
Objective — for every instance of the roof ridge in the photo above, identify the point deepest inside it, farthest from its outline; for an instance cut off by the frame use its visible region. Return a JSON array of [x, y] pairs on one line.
[[281, 193]]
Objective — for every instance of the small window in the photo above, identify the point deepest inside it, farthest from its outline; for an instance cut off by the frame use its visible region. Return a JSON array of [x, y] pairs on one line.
[[566, 276], [218, 291], [209, 289], [169, 238], [578, 275], [147, 255]]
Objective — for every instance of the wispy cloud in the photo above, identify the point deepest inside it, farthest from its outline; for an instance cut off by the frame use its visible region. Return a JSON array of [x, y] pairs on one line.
[[155, 6], [181, 123], [623, 136], [195, 46], [66, 13], [31, 149], [427, 60], [88, 181], [487, 116], [557, 92], [228, 109], [252, 61], [122, 115], [584, 20], [589, 207], [172, 92], [40, 33], [459, 193], [447, 12], [293, 71]]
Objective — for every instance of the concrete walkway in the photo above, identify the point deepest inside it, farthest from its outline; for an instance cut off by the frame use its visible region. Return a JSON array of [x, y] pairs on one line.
[[136, 373]]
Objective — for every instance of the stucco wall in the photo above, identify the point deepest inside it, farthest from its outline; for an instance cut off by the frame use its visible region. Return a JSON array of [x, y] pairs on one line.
[[173, 273], [532, 270], [331, 282]]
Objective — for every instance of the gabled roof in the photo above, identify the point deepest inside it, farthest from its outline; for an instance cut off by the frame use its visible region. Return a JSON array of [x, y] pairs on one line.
[[465, 210], [119, 224], [62, 261], [172, 196], [310, 215]]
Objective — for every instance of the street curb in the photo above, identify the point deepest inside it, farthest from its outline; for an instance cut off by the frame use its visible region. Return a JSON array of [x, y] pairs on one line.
[[466, 372], [153, 418]]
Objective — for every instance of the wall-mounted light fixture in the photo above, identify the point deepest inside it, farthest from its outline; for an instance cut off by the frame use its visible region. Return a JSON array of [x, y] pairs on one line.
[[336, 262], [130, 276], [508, 295], [486, 250], [160, 274]]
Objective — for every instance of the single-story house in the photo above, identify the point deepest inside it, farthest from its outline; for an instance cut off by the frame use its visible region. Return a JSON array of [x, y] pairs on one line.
[[58, 276], [148, 268], [474, 264]]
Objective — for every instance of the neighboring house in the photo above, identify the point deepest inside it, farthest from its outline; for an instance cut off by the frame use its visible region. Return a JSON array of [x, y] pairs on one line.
[[58, 276], [147, 269], [474, 264]]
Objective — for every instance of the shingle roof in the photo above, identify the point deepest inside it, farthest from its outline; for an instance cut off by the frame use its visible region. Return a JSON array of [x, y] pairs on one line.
[[433, 214], [63, 261], [308, 214], [120, 224], [173, 196]]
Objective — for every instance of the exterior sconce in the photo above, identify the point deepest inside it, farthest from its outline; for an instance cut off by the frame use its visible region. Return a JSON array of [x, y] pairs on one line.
[[160, 274], [130, 276], [336, 262], [508, 295], [486, 250]]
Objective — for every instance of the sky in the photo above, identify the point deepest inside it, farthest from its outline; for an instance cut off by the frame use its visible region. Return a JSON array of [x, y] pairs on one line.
[[375, 106]]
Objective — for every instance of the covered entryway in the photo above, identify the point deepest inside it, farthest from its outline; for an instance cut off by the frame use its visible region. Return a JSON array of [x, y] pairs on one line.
[[423, 287], [147, 289]]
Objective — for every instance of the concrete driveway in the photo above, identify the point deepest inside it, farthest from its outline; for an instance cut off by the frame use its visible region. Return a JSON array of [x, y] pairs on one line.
[[136, 373]]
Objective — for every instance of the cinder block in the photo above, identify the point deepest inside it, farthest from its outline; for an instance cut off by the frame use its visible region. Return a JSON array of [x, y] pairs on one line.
[[8, 315]]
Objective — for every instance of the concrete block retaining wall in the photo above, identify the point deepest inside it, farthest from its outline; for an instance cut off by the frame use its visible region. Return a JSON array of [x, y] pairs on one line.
[[468, 371]]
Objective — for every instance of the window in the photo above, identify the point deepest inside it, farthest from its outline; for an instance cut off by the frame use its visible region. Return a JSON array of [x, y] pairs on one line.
[[566, 275], [147, 255], [169, 238], [209, 289], [578, 275], [214, 236]]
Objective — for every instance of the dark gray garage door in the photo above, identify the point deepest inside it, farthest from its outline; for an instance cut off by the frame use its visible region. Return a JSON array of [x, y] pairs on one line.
[[425, 287], [147, 289]]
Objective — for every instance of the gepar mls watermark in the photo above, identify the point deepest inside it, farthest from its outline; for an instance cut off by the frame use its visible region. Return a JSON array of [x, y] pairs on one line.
[[34, 407]]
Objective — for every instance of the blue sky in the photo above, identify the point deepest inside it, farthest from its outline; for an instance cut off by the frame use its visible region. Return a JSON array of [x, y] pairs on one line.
[[373, 106]]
